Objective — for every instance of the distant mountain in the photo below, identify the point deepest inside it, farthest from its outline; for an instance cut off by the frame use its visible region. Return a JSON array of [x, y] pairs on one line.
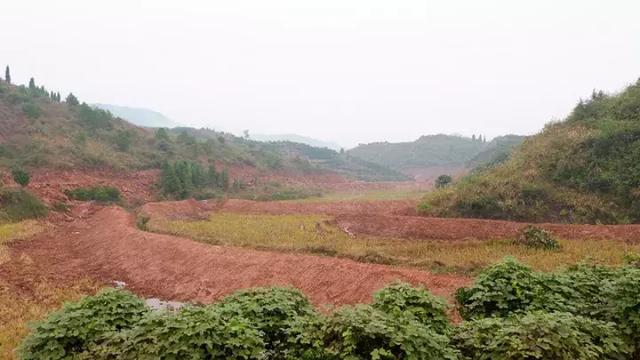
[[427, 151], [139, 116], [298, 139]]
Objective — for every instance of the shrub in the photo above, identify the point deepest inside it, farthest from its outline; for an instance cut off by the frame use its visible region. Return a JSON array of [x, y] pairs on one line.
[[540, 335], [191, 333], [19, 204], [96, 193], [362, 332], [535, 237], [499, 290], [277, 313], [442, 181], [94, 118], [401, 299], [31, 110], [123, 139], [79, 326], [623, 305], [20, 176]]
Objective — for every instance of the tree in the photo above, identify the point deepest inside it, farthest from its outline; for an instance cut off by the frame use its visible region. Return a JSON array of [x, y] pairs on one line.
[[20, 176], [473, 137], [7, 75], [223, 180], [32, 84], [442, 181], [72, 100], [245, 134], [212, 175]]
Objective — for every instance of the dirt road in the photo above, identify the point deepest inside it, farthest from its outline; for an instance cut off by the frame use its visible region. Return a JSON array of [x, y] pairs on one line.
[[107, 246]]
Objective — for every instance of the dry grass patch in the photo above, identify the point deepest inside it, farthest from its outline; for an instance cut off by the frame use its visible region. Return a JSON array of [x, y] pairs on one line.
[[16, 231], [19, 308], [312, 234]]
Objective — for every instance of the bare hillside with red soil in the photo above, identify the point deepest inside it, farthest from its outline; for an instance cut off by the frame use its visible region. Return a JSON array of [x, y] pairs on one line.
[[49, 185], [107, 246]]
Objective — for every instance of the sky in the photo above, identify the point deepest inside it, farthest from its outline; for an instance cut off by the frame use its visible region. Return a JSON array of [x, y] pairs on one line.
[[349, 71]]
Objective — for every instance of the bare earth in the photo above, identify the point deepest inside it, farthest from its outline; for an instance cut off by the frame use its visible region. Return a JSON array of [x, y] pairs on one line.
[[104, 244]]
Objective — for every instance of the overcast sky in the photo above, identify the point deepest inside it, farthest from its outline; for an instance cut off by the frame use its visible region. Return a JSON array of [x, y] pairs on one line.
[[351, 71]]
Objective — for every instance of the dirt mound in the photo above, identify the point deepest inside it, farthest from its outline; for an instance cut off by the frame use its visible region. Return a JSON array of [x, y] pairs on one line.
[[107, 246], [416, 227]]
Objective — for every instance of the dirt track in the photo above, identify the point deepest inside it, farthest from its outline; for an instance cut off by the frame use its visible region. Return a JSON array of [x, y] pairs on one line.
[[107, 246]]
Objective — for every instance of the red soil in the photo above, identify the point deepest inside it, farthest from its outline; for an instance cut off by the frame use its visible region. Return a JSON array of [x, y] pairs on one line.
[[106, 246], [50, 185]]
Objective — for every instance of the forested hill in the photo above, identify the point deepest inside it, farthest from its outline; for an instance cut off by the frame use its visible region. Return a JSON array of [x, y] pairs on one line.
[[583, 169], [42, 128], [427, 151]]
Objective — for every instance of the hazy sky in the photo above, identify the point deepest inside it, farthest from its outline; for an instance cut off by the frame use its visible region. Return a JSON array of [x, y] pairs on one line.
[[344, 70]]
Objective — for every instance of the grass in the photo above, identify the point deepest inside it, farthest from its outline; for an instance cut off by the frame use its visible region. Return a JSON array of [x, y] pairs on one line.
[[15, 231], [18, 309], [312, 234], [378, 194]]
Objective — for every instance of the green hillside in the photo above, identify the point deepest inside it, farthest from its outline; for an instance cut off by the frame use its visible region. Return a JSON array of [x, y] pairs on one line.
[[431, 150], [497, 151], [583, 169], [40, 129]]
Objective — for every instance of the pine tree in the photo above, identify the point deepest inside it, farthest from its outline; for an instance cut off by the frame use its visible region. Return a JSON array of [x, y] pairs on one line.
[[7, 75], [32, 84], [473, 137], [223, 180], [212, 175], [72, 99]]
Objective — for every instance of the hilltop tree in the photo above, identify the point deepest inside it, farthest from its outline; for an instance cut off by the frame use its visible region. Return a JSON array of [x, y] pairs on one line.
[[223, 180], [32, 84], [72, 100], [7, 75]]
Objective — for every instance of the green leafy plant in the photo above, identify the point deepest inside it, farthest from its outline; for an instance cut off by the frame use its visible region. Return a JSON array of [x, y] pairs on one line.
[[191, 333], [535, 237], [540, 335], [402, 299], [362, 332], [275, 313], [77, 327]]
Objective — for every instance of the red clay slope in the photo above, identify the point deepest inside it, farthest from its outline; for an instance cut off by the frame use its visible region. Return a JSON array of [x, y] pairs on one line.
[[107, 246]]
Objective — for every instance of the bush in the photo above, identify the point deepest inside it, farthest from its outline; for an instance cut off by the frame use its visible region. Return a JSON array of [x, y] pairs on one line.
[[31, 110], [623, 305], [79, 326], [362, 332], [94, 118], [19, 204], [540, 335], [442, 181], [96, 193], [500, 290], [535, 237], [401, 299], [191, 333], [278, 314], [20, 176]]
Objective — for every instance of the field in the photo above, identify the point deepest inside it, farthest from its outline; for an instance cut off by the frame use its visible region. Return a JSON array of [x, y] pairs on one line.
[[315, 234]]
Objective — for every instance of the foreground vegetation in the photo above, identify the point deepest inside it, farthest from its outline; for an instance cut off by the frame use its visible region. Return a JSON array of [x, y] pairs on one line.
[[584, 169], [313, 234], [586, 312]]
